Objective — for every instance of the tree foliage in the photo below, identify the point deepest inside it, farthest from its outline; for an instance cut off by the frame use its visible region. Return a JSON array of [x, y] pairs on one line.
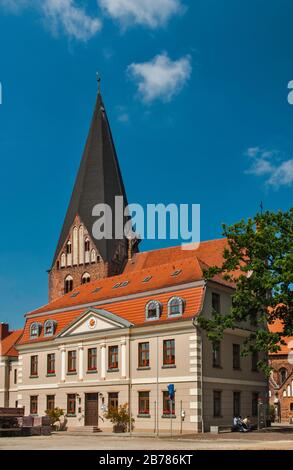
[[120, 417], [258, 261]]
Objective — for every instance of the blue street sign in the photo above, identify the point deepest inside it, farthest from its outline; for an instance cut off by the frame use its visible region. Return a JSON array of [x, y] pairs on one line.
[[171, 391]]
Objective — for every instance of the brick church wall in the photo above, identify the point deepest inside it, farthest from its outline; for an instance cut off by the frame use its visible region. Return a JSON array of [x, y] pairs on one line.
[[285, 402]]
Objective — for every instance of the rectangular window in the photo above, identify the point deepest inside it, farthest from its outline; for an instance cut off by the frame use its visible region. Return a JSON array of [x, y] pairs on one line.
[[168, 405], [216, 354], [217, 395], [34, 404], [71, 404], [143, 354], [143, 403], [216, 302], [15, 376], [254, 403], [71, 361], [51, 363], [237, 404], [34, 366], [92, 359], [254, 361], [113, 401], [236, 356], [113, 357], [169, 352], [50, 402]]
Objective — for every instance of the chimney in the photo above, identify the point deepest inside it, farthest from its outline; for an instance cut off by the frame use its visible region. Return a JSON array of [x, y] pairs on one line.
[[4, 331]]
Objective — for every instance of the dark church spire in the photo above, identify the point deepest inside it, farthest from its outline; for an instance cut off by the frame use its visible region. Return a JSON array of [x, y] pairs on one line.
[[98, 181]]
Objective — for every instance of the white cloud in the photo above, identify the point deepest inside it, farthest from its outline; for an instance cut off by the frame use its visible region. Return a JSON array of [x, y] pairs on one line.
[[267, 163], [160, 78], [60, 15], [152, 13]]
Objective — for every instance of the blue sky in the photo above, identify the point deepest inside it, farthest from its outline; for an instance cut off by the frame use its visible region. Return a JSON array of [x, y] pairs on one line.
[[196, 93]]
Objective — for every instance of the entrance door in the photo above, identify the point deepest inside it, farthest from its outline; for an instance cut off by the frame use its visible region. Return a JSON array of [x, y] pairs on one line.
[[91, 409]]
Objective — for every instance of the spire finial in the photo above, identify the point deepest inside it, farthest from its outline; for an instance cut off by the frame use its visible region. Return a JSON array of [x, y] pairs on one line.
[[99, 82]]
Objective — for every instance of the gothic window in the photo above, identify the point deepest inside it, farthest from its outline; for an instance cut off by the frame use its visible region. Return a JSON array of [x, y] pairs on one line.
[[68, 284], [75, 245], [63, 260], [68, 247], [153, 310], [86, 245], [35, 330], [85, 278], [175, 306], [93, 256], [282, 375], [49, 327]]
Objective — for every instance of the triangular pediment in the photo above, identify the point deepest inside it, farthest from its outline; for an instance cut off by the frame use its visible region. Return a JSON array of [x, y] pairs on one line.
[[94, 321]]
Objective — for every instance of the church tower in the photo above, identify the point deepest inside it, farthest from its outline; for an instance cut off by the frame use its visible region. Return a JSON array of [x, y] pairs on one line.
[[79, 257]]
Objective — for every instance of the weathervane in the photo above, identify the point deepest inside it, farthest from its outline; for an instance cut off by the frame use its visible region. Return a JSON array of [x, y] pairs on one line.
[[99, 81]]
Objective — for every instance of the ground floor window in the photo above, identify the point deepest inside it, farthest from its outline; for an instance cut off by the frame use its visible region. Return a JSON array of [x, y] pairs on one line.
[[143, 403], [167, 408], [34, 405], [71, 404], [217, 398], [113, 401], [236, 404], [254, 404], [50, 402]]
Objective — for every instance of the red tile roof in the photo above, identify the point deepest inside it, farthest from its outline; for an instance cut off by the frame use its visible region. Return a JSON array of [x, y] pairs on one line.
[[277, 327], [157, 266], [7, 345]]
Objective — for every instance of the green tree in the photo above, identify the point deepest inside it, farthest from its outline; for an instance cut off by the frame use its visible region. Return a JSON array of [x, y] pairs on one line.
[[120, 418], [258, 262]]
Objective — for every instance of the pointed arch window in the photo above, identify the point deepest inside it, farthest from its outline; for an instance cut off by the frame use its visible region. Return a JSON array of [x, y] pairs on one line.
[[68, 284], [85, 278], [175, 307], [153, 310], [93, 256], [282, 375], [68, 248], [35, 330], [86, 245], [63, 260]]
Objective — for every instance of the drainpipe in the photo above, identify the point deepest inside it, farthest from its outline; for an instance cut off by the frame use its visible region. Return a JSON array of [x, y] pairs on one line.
[[201, 351]]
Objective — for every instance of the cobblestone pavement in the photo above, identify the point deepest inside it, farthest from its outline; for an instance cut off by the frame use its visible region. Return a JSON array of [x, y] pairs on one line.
[[64, 441]]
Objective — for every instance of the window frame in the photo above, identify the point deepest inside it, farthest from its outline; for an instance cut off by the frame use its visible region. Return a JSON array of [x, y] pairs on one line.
[[116, 399], [50, 398], [144, 403], [71, 359], [51, 359], [113, 365], [37, 327], [34, 405], [254, 361], [153, 305], [52, 324], [71, 399], [217, 403], [254, 404], [217, 308], [166, 354], [166, 405], [142, 360], [92, 359], [236, 359], [180, 303], [216, 354], [236, 403], [34, 365]]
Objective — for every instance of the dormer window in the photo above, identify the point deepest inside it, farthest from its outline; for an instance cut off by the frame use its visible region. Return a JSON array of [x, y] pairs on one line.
[[85, 278], [49, 328], [68, 284], [153, 310], [35, 329], [175, 307]]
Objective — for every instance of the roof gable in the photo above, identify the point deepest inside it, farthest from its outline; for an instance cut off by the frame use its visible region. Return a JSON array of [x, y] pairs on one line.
[[93, 321]]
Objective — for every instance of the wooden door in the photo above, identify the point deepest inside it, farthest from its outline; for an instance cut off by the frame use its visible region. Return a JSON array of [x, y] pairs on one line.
[[91, 409]]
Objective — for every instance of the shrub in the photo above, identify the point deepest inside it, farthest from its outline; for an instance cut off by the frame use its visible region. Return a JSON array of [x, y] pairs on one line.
[[120, 418]]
